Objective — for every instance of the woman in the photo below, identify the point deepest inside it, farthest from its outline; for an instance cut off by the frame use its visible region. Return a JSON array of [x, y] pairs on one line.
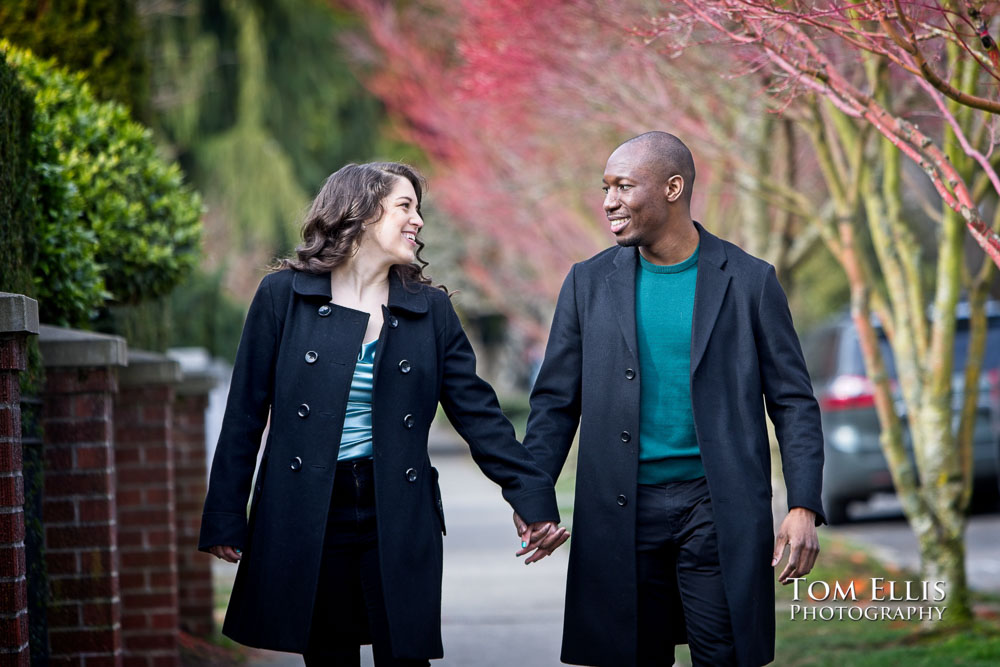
[[350, 348]]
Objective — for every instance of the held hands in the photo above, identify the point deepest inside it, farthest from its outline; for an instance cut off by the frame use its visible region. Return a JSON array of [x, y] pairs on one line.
[[229, 554], [798, 532], [541, 537]]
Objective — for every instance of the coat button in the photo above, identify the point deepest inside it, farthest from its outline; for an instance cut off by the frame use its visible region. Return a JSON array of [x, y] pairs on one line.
[[304, 410], [324, 310], [408, 421], [622, 501], [626, 436], [311, 357], [296, 464], [393, 322], [411, 475], [629, 373], [404, 366]]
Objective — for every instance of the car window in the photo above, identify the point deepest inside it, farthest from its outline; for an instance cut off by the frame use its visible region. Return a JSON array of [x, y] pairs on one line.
[[820, 351]]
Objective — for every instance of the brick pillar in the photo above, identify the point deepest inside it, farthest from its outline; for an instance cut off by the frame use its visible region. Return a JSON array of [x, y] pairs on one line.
[[18, 320], [147, 548], [190, 485], [78, 510]]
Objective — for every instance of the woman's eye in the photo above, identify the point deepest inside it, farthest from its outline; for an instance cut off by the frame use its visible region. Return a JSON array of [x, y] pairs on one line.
[[605, 188]]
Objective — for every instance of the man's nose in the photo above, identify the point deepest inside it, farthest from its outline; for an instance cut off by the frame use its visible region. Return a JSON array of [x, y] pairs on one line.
[[610, 200]]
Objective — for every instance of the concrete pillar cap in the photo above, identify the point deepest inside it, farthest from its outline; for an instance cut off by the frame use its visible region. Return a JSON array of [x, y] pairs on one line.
[[63, 347], [146, 368], [18, 314]]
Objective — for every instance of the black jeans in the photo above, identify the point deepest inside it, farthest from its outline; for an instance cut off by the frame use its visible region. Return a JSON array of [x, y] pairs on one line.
[[350, 606], [677, 555]]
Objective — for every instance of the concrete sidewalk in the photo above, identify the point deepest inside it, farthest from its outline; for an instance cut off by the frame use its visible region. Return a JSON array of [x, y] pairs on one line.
[[496, 612]]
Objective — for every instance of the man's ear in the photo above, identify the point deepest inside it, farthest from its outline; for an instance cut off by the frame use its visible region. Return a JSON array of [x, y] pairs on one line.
[[674, 188]]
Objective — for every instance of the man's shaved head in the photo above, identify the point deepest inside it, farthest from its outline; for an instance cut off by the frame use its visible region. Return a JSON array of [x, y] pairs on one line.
[[666, 155]]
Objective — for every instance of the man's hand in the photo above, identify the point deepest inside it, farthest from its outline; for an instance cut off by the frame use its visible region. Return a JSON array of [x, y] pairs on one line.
[[230, 554], [798, 533], [542, 537]]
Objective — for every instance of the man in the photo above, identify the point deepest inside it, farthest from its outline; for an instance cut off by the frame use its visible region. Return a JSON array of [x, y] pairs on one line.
[[665, 351]]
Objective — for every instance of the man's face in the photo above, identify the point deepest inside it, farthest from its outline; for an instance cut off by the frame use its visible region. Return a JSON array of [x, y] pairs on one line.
[[636, 198]]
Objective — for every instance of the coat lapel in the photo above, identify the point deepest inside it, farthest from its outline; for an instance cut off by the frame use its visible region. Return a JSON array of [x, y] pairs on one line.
[[621, 282], [710, 289]]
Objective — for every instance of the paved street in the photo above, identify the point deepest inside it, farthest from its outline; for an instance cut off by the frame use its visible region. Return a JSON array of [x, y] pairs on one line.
[[498, 613], [887, 534]]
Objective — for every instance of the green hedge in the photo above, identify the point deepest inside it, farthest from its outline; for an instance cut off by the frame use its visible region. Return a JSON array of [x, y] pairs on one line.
[[17, 186], [116, 223]]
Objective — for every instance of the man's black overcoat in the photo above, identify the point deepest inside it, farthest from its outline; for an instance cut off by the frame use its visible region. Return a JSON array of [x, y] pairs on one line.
[[744, 354], [295, 361]]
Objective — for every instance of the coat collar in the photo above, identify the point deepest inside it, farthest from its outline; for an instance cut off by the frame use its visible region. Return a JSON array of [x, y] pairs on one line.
[[621, 281], [400, 298], [710, 289]]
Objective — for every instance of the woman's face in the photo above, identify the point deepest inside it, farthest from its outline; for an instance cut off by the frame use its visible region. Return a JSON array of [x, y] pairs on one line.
[[394, 235]]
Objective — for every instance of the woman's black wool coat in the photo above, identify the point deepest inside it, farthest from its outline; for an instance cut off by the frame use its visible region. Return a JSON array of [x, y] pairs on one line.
[[295, 361]]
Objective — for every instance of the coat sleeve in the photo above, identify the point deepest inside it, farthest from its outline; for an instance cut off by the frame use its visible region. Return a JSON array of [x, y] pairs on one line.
[[224, 520], [473, 409], [555, 398], [789, 399]]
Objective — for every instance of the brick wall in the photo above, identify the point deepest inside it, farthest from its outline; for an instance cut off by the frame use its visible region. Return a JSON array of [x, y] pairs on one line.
[[79, 515], [14, 649], [146, 522], [190, 485]]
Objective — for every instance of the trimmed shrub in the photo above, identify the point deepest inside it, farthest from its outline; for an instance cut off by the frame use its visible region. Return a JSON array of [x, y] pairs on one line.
[[17, 186], [116, 222]]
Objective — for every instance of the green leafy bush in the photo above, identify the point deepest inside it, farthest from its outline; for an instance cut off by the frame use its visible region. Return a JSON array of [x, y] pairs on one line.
[[116, 222], [17, 210]]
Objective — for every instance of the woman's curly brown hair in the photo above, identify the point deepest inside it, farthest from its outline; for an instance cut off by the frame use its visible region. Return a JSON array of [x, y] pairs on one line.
[[350, 198]]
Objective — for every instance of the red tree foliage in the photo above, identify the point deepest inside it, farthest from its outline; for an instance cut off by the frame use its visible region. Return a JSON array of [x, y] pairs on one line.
[[518, 105]]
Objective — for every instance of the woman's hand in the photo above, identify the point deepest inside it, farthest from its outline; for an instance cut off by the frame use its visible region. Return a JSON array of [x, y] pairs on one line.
[[230, 554], [541, 537]]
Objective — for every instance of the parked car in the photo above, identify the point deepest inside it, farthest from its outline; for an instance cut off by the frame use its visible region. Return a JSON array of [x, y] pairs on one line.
[[855, 467]]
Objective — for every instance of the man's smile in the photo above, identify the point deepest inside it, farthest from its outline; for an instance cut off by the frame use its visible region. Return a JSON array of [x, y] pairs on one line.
[[618, 224]]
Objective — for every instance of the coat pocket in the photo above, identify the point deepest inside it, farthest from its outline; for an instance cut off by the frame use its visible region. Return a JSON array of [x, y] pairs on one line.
[[438, 505]]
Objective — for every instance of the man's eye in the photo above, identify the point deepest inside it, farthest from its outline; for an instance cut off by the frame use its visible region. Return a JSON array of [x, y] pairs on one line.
[[624, 186], [605, 188]]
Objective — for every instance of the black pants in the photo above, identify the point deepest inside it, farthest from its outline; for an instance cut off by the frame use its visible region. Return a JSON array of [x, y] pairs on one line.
[[350, 605], [677, 555]]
